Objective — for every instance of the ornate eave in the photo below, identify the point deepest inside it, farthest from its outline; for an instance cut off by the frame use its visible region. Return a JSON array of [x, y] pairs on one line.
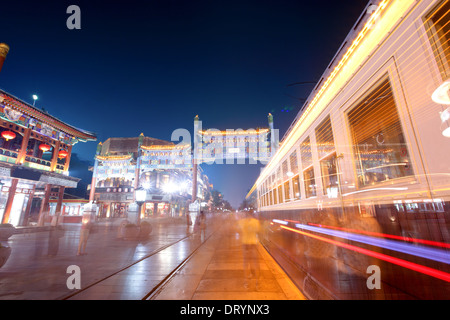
[[38, 177], [34, 114], [118, 158]]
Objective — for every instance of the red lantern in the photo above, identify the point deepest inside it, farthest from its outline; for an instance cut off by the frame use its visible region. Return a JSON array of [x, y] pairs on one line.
[[8, 135], [62, 154], [44, 147]]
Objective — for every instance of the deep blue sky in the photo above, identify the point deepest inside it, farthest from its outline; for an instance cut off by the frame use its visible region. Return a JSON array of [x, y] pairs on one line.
[[151, 66]]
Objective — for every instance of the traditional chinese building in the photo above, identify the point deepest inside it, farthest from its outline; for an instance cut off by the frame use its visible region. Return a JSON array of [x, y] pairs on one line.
[[162, 168], [35, 151]]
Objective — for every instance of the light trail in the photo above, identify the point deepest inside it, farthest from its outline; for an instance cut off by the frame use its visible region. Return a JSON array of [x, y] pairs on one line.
[[423, 252], [384, 235], [400, 262]]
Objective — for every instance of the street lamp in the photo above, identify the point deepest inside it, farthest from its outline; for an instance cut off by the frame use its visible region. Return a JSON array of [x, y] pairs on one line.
[[35, 97], [141, 195]]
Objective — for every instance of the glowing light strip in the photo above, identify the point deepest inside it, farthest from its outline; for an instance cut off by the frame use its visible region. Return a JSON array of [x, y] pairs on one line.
[[375, 189], [423, 252], [440, 95], [113, 158], [215, 132], [385, 235], [353, 58], [166, 147], [400, 262], [280, 222]]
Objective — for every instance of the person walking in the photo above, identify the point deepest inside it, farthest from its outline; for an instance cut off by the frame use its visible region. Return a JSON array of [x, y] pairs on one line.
[[202, 225], [84, 235], [249, 229]]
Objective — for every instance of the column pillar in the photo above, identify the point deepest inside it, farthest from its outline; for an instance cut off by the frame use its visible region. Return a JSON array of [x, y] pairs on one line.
[[28, 209], [69, 151], [55, 156], [23, 148], [94, 172], [44, 205], [57, 217], [9, 202], [93, 182], [138, 165], [195, 156]]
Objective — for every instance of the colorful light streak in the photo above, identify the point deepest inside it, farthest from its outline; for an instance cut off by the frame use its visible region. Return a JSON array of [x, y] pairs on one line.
[[400, 262], [390, 236], [423, 252]]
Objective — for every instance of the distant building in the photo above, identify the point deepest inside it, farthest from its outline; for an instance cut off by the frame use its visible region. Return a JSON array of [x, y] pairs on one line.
[[35, 151], [161, 167]]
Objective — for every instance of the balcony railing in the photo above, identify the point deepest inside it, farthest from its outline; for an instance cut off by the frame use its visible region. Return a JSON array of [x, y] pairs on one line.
[[124, 189], [10, 156]]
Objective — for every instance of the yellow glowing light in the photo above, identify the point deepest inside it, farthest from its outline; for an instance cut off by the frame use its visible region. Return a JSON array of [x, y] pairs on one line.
[[165, 147], [365, 43], [232, 132], [114, 158], [442, 94]]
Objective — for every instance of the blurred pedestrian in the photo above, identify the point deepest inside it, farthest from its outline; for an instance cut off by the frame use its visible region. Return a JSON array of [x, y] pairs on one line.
[[202, 225], [86, 226], [55, 234], [249, 229]]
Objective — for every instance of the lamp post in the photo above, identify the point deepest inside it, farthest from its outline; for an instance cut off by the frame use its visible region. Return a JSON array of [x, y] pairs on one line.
[[35, 97], [141, 196]]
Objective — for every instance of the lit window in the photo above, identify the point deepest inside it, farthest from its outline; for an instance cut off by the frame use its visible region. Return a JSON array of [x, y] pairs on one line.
[[329, 176], [287, 197], [380, 150], [296, 187], [280, 194], [293, 162], [327, 156], [310, 182], [308, 168], [437, 24]]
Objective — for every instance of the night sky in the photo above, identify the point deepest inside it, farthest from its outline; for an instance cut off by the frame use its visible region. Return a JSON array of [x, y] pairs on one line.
[[151, 66]]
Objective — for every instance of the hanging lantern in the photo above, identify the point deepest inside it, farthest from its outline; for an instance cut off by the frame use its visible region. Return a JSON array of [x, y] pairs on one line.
[[8, 135], [44, 147], [62, 154]]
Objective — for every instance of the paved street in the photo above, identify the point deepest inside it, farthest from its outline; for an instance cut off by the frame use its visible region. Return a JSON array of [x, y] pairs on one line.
[[175, 263], [38, 263]]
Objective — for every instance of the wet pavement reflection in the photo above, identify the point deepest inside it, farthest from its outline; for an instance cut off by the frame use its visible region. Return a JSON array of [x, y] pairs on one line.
[[38, 261]]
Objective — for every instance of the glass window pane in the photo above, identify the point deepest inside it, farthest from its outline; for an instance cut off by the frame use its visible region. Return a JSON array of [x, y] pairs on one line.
[[280, 194], [438, 28], [329, 172], [293, 162], [305, 153], [310, 183], [324, 138], [287, 196], [379, 146], [296, 187], [284, 170]]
